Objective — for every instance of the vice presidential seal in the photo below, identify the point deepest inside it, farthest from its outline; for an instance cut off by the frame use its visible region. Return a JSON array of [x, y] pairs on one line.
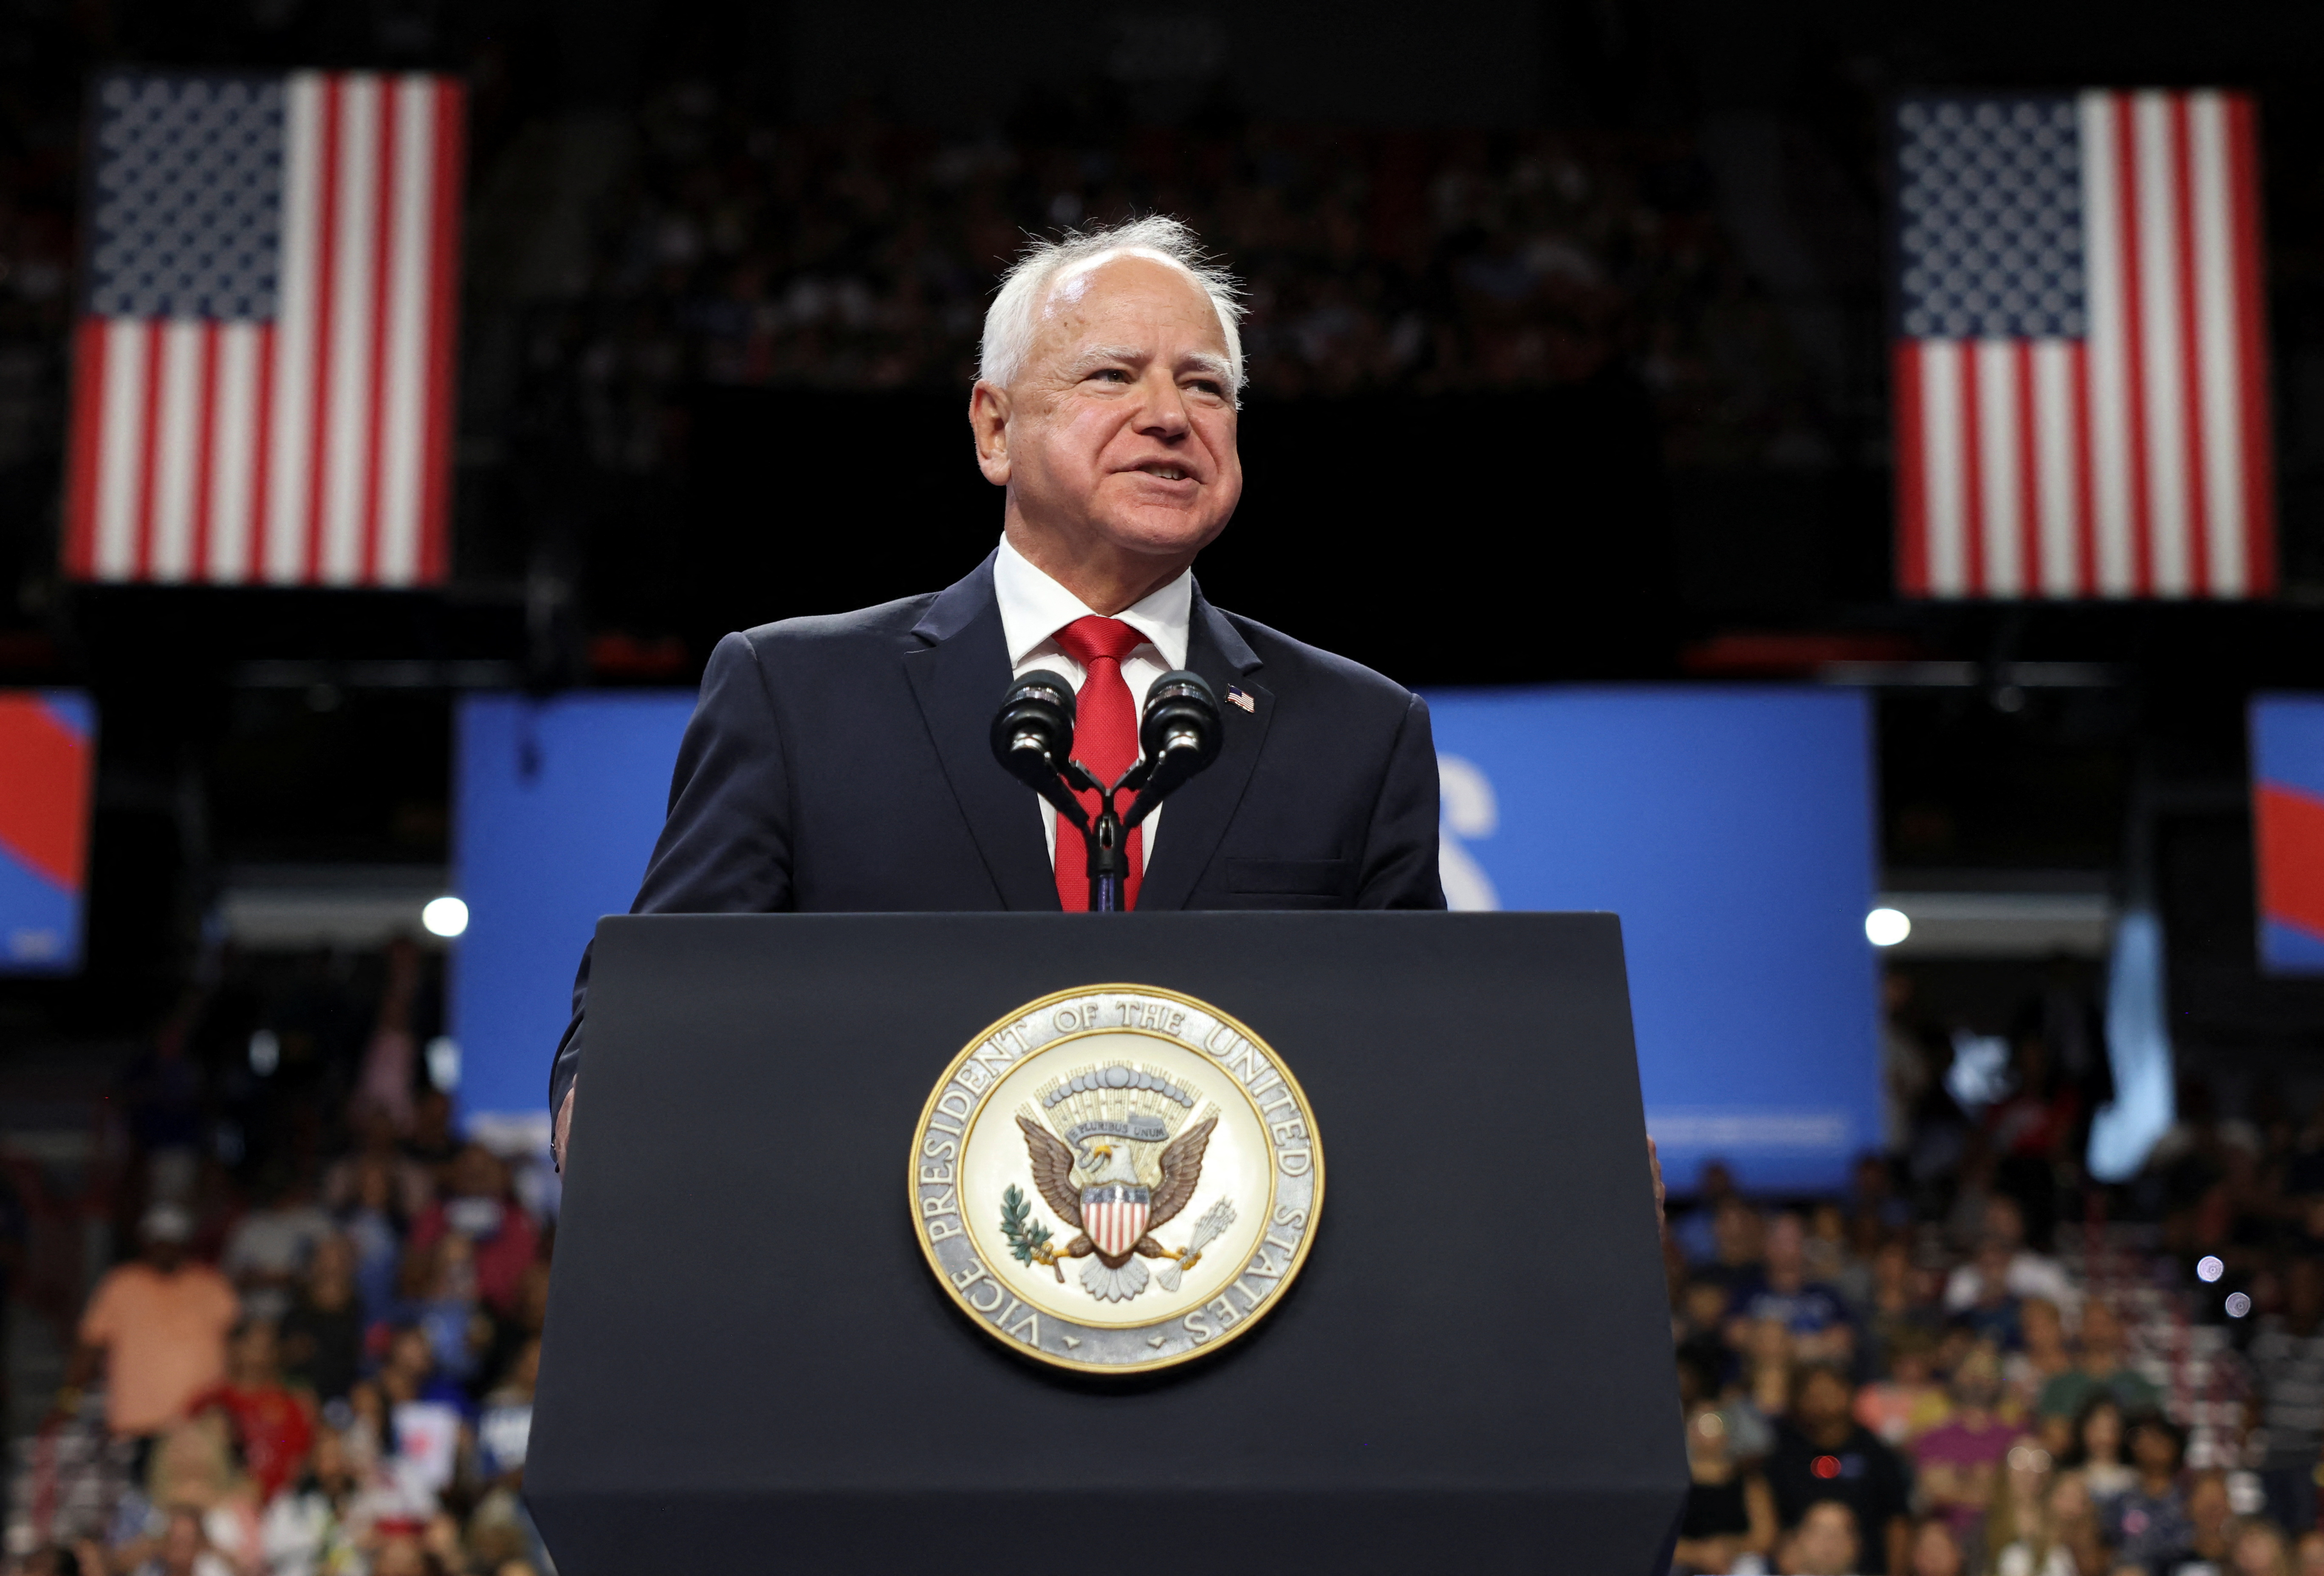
[[1116, 1179]]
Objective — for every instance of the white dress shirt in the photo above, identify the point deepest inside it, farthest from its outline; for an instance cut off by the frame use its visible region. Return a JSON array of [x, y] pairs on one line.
[[1034, 608]]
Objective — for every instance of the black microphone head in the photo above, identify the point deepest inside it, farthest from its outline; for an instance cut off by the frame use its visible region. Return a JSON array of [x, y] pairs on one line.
[[1033, 731], [1182, 714]]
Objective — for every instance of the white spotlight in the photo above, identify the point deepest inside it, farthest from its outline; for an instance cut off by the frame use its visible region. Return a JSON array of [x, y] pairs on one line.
[[1885, 927], [2209, 1268], [2238, 1305], [445, 917]]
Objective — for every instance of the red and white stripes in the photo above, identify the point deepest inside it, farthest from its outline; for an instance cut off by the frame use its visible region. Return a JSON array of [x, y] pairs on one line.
[[2134, 460], [313, 449]]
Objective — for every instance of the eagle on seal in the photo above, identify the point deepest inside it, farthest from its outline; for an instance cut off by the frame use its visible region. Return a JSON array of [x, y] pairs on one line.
[[1110, 1170]]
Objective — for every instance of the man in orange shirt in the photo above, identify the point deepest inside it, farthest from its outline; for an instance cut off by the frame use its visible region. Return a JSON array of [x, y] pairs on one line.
[[157, 1327]]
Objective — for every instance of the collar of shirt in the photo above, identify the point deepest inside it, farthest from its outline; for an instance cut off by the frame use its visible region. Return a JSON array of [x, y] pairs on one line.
[[1034, 608]]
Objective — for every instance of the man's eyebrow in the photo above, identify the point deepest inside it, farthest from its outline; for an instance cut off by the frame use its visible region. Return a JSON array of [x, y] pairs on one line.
[[1217, 366], [1099, 354]]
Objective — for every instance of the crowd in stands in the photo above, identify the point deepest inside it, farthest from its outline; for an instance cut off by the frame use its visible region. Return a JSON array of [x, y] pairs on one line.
[[1981, 1362], [318, 1356], [861, 255]]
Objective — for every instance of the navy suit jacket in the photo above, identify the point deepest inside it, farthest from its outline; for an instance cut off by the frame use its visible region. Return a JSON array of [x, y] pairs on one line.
[[842, 765]]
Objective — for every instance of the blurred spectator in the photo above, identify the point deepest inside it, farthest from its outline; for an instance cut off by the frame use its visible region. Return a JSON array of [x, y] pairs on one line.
[[1691, 1228], [1826, 1543], [383, 1085], [1957, 1463], [1994, 1313], [2097, 1451], [322, 1335], [374, 1231], [1909, 1402], [411, 1186], [2259, 1548], [431, 1144], [1735, 1238], [156, 1328], [2149, 1524], [193, 1472], [2287, 1359], [2023, 1272], [183, 1549], [2210, 1516], [440, 1301], [1730, 1511], [481, 1208], [2101, 1368], [2044, 1354], [1934, 1550], [2060, 1538], [267, 1251], [272, 1426], [307, 1530], [1822, 1453], [1816, 1315], [2309, 1556]]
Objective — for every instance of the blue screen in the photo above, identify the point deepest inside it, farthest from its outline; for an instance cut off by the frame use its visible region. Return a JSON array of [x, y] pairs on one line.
[[560, 801], [1732, 829]]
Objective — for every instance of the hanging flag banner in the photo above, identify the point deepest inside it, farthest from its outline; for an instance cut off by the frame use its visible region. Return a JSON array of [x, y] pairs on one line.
[[264, 361], [2080, 374]]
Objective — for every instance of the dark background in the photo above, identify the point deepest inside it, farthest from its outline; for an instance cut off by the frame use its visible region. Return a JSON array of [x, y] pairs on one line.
[[1586, 516]]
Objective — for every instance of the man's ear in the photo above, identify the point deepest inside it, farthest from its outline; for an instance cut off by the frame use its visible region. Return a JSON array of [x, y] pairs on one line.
[[988, 420]]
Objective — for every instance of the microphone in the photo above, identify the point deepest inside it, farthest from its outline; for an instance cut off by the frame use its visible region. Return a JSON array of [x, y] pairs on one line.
[[1180, 737], [1033, 739]]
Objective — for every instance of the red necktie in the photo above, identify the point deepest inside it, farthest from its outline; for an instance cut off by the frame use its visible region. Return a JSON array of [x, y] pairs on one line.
[[1105, 740]]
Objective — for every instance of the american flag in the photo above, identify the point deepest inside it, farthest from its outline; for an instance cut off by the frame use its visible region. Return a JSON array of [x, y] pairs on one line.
[[2080, 369], [264, 362]]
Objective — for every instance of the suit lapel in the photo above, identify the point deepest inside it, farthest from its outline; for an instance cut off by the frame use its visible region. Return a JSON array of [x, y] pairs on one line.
[[958, 674], [1196, 816]]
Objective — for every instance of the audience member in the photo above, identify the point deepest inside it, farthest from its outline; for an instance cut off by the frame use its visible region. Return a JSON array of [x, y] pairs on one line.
[[1909, 1402], [2023, 1272], [1822, 1453], [2101, 1368], [1816, 1315], [479, 1206], [156, 1327], [1826, 1543], [272, 1426], [323, 1334], [2149, 1524], [1957, 1463], [1934, 1550], [267, 1251], [2097, 1451], [1729, 1510]]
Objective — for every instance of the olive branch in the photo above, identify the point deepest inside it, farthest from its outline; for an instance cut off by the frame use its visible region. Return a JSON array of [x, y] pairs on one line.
[[1029, 1238]]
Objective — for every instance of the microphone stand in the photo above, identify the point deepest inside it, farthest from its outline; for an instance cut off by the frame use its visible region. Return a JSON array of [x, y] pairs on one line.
[[1179, 735]]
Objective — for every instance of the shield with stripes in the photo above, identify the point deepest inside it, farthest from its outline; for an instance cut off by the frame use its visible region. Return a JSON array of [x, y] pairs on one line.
[[1114, 1216]]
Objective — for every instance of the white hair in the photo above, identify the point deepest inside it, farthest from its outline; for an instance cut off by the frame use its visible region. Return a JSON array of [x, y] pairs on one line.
[[1010, 321]]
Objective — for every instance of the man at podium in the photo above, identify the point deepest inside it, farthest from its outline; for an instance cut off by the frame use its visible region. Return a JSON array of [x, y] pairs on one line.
[[841, 763]]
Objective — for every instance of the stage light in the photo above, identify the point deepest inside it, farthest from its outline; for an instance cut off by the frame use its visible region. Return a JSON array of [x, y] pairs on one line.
[[2237, 1304], [1885, 927], [445, 917], [2209, 1268]]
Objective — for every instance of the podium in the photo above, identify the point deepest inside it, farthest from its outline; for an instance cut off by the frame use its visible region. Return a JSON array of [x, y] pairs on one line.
[[749, 1364]]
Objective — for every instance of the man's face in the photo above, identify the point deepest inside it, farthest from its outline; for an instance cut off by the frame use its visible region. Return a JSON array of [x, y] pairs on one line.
[[1119, 427]]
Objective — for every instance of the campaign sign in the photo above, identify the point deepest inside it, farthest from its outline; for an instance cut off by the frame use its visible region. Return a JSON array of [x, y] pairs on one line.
[[48, 761], [2287, 745], [1732, 829]]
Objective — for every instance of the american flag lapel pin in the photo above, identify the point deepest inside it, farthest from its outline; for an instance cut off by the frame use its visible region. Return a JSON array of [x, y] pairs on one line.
[[1235, 697]]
